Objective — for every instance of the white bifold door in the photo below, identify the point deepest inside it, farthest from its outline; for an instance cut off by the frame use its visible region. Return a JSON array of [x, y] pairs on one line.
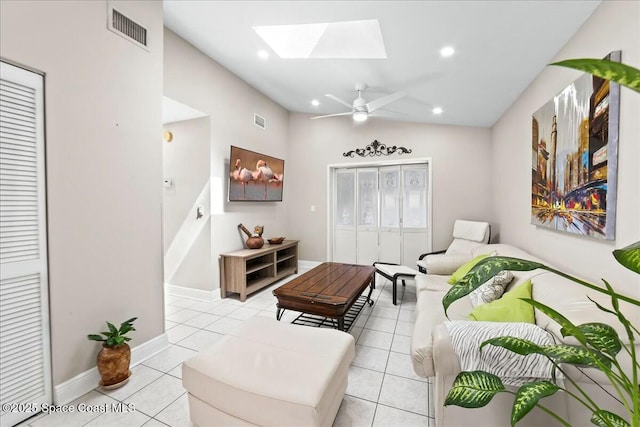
[[25, 366], [380, 214]]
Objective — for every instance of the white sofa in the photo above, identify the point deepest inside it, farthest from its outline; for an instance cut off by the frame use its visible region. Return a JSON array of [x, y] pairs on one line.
[[433, 355]]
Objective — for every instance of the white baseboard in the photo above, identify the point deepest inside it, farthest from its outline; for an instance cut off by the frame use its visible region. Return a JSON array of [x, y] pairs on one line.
[[191, 293], [307, 265], [88, 380]]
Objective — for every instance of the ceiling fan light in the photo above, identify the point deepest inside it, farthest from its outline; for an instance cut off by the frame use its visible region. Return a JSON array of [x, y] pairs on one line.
[[360, 116]]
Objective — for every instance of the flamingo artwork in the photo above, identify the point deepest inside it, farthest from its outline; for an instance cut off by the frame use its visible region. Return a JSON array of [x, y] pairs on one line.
[[264, 174], [242, 175]]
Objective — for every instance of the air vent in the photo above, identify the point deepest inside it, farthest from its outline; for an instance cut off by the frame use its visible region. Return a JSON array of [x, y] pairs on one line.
[[127, 28], [259, 121]]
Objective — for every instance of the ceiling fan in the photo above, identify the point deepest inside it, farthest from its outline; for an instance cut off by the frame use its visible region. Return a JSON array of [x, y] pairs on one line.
[[361, 109]]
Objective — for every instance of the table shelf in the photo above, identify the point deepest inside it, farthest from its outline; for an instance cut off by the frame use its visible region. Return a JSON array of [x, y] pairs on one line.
[[249, 270], [286, 257], [257, 267]]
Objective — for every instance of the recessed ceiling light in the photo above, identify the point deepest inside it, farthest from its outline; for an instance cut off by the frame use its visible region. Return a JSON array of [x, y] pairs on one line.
[[447, 51], [263, 54], [315, 102], [437, 110]]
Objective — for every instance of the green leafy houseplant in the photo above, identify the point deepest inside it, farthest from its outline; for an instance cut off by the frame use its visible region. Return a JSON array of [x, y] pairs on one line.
[[599, 346], [599, 343], [115, 336], [115, 357]]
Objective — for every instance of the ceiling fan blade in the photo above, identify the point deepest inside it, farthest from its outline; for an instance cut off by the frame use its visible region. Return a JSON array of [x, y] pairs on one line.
[[335, 98], [387, 113], [381, 102], [331, 115]]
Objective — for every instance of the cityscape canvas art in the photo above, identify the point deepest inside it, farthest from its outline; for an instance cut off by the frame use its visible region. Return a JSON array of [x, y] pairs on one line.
[[574, 158]]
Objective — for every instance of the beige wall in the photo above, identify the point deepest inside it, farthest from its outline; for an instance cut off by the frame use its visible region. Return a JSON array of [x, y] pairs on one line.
[[615, 25], [103, 121], [193, 79], [461, 171], [186, 162]]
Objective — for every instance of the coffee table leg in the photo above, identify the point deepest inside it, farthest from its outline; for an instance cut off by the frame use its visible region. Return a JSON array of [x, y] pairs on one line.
[[341, 323], [369, 300], [279, 313]]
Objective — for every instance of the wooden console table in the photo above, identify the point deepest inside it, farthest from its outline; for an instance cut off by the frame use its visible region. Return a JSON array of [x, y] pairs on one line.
[[248, 270]]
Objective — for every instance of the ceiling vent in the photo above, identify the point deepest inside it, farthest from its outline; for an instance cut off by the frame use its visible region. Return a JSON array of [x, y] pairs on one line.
[[259, 121], [127, 28]]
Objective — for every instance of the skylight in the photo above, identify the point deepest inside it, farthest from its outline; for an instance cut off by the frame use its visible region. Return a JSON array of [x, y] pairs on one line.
[[334, 40]]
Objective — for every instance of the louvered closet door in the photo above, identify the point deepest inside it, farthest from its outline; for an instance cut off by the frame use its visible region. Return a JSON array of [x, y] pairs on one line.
[[25, 368]]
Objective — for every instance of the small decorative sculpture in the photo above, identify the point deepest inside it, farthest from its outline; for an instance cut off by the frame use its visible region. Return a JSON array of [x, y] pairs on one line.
[[254, 240]]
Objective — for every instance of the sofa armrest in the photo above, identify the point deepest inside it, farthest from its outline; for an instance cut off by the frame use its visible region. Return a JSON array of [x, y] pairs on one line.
[[445, 360], [444, 264]]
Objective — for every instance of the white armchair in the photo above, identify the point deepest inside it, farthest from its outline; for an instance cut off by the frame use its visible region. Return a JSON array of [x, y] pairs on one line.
[[467, 235]]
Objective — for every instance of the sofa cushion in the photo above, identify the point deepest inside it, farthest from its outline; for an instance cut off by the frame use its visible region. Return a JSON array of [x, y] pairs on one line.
[[492, 289], [509, 308], [464, 269], [432, 282]]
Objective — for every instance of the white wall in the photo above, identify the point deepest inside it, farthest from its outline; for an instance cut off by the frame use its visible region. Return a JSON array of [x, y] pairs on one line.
[[186, 162], [103, 100], [615, 25], [461, 171], [196, 80]]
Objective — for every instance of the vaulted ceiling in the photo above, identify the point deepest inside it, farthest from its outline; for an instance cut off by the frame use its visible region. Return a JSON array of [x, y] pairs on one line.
[[500, 47]]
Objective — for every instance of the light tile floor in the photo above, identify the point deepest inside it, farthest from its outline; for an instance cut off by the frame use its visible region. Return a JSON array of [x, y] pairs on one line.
[[383, 390]]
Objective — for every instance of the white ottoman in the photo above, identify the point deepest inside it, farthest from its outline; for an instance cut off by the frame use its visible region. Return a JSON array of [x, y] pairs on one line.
[[269, 373]]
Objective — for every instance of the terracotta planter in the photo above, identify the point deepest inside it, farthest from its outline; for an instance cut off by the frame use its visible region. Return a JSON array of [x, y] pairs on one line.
[[113, 364]]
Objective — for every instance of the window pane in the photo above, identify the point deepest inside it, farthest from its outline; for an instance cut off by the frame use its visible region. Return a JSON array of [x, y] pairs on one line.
[[414, 206], [368, 198], [345, 195], [390, 193]]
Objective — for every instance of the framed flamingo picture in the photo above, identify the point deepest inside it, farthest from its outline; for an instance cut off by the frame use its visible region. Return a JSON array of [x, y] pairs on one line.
[[254, 177]]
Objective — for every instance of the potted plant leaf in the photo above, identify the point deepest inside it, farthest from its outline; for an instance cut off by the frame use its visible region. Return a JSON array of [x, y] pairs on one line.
[[115, 357]]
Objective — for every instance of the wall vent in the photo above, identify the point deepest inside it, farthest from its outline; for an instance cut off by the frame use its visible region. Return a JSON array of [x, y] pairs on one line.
[[259, 121], [127, 28]]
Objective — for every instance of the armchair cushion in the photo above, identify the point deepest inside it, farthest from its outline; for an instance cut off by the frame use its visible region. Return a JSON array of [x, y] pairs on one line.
[[471, 230]]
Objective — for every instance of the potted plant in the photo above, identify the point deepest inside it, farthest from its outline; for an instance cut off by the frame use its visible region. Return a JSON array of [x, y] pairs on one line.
[[114, 358], [599, 343]]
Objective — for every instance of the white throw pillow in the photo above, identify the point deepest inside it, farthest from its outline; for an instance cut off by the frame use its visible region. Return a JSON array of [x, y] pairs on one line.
[[492, 289]]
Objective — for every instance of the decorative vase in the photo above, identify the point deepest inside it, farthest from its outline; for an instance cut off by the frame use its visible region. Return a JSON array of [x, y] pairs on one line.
[[113, 365], [254, 240]]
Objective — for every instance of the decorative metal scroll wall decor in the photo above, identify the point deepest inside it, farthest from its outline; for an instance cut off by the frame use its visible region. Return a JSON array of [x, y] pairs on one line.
[[377, 149]]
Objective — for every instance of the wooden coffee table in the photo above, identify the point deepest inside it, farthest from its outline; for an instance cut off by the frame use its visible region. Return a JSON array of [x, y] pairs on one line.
[[328, 290]]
